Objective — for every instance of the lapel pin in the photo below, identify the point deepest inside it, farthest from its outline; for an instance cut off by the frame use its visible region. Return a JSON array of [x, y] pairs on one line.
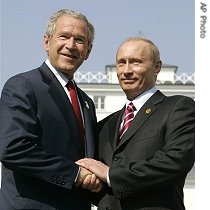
[[86, 104], [148, 111]]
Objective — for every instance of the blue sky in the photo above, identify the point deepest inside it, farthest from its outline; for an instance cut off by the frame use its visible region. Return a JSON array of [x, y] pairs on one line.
[[168, 23]]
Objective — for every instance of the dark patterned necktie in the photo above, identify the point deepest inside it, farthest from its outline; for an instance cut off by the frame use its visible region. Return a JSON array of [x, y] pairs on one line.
[[128, 117]]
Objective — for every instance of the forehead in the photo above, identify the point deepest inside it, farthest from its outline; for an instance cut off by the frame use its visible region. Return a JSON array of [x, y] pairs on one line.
[[134, 48], [69, 22]]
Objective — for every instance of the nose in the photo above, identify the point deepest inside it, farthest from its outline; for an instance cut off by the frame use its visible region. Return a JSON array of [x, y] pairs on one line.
[[127, 69], [71, 44]]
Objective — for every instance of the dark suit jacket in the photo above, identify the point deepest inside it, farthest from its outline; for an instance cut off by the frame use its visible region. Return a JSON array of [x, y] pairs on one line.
[[39, 143], [149, 165]]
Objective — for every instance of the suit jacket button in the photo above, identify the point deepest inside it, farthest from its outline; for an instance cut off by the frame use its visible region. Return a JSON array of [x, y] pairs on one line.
[[115, 158]]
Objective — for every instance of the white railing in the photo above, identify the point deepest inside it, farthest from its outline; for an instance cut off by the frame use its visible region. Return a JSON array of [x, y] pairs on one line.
[[90, 77], [185, 78], [99, 77]]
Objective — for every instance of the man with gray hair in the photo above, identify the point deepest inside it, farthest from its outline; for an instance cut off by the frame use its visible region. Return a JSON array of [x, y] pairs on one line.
[[48, 123]]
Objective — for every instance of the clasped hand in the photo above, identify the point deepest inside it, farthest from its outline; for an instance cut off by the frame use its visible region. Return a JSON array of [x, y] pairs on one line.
[[92, 174]]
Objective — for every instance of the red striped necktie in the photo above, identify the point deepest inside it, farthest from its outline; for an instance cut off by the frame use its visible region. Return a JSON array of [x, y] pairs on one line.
[[75, 104], [128, 117]]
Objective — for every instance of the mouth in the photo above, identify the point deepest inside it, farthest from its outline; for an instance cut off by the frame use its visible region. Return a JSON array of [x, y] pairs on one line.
[[128, 80], [70, 56]]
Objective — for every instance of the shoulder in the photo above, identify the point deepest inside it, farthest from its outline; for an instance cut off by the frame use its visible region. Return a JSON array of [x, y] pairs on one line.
[[178, 105], [107, 119], [159, 96], [179, 99], [24, 76], [20, 85]]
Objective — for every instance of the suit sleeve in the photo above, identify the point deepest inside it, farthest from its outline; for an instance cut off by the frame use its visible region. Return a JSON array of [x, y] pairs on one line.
[[170, 163], [20, 146]]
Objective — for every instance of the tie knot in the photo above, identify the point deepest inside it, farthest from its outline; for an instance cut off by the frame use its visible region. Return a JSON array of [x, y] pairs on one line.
[[131, 107], [70, 85]]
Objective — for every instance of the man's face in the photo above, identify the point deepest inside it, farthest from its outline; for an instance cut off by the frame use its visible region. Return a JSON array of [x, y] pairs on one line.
[[136, 70], [68, 46]]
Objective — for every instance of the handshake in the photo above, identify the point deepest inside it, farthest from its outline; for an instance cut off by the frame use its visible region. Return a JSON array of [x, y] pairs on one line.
[[92, 174]]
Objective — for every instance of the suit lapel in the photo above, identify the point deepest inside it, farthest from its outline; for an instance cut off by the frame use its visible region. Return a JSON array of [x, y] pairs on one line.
[[143, 114], [61, 100], [89, 135], [114, 126]]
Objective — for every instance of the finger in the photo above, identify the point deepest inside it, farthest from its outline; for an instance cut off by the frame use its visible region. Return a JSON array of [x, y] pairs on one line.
[[86, 182], [95, 184], [85, 161], [78, 182], [92, 182], [97, 187], [80, 163]]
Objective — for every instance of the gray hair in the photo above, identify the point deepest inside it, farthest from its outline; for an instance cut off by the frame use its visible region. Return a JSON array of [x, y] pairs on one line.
[[77, 15]]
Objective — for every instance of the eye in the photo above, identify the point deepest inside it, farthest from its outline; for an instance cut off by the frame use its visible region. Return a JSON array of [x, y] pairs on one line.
[[80, 40], [136, 61], [121, 62], [63, 37]]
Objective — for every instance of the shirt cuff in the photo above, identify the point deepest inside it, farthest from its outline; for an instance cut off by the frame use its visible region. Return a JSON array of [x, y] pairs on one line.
[[77, 175], [108, 180]]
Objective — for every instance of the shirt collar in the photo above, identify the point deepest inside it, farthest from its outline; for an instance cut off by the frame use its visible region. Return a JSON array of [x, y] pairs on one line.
[[59, 75], [142, 98]]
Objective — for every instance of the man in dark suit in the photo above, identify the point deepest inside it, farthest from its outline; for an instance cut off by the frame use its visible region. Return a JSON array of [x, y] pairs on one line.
[[40, 139], [145, 166]]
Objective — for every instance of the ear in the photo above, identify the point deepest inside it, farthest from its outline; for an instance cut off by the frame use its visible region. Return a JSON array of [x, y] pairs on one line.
[[158, 66], [46, 43], [88, 52]]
